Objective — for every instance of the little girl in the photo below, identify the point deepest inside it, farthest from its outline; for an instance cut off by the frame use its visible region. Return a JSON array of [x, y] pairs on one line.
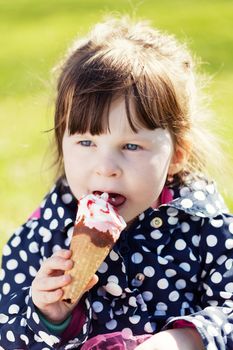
[[126, 123]]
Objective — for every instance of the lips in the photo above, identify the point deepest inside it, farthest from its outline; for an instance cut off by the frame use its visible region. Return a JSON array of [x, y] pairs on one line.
[[115, 199]]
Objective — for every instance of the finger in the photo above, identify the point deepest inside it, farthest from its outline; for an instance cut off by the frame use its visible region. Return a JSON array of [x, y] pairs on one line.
[[43, 298], [54, 263], [51, 283], [63, 253]]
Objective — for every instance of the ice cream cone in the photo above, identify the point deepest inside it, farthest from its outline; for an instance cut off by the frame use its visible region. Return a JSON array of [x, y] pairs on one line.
[[90, 245]]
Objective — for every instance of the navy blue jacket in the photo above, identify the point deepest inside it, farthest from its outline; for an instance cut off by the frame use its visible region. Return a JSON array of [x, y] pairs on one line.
[[174, 262]]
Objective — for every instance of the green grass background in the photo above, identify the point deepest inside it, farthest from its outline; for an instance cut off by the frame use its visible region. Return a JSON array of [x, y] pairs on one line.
[[35, 35]]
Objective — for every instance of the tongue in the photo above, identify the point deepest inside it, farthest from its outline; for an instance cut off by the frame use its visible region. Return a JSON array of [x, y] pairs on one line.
[[116, 199]]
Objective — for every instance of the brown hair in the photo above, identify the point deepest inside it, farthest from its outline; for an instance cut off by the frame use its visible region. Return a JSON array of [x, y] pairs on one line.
[[122, 58]]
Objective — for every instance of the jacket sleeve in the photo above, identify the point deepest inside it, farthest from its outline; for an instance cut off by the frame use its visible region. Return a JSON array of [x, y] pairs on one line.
[[214, 321], [20, 326]]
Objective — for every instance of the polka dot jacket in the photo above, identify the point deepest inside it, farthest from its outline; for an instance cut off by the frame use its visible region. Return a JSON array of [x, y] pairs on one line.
[[174, 263]]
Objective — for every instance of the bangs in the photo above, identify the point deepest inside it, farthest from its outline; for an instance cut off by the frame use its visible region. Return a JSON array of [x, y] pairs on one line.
[[89, 86]]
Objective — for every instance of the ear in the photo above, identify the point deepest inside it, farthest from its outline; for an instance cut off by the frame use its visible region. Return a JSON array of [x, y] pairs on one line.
[[179, 158]]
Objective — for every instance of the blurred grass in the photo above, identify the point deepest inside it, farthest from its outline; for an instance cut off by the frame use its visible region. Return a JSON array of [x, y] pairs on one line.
[[34, 35]]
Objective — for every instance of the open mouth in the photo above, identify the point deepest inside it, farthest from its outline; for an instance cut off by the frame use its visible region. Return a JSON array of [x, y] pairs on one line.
[[115, 199]]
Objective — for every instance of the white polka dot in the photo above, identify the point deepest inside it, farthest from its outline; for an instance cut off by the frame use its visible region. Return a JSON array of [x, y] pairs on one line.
[[6, 250], [180, 284], [196, 240], [113, 256], [189, 296], [10, 336], [210, 208], [162, 261], [140, 237], [2, 274], [30, 234], [67, 198], [97, 306], [160, 248], [229, 287], [16, 241], [149, 271], [163, 283], [216, 223], [24, 338], [103, 267], [6, 288], [48, 338], [134, 319], [132, 301], [48, 213], [23, 255], [149, 327], [221, 259], [199, 195], [216, 277], [172, 220], [113, 279], [137, 258], [32, 271], [211, 240], [229, 264], [45, 233], [141, 216], [172, 211], [12, 264], [3, 319], [184, 191], [113, 289], [174, 296], [185, 266], [33, 247], [111, 324], [185, 227], [147, 296], [180, 244], [20, 278], [210, 188], [60, 212], [186, 203], [53, 224], [13, 309], [170, 273], [36, 317], [228, 328], [209, 258], [231, 227], [54, 198], [156, 234], [229, 243]]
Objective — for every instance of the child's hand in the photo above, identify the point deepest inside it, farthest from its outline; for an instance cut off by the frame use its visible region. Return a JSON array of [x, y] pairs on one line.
[[174, 339], [48, 283]]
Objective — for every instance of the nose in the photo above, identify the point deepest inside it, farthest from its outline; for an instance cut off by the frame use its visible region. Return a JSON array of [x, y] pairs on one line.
[[107, 166]]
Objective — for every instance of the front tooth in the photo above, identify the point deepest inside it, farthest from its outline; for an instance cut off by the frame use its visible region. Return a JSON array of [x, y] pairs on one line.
[[104, 196]]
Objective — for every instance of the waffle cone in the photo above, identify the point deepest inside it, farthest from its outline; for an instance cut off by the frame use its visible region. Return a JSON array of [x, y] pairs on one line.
[[87, 257]]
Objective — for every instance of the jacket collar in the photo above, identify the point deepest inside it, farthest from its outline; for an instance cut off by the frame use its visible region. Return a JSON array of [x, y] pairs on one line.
[[197, 198]]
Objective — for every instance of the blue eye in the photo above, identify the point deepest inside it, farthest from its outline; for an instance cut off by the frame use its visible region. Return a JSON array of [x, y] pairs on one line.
[[131, 147], [85, 143]]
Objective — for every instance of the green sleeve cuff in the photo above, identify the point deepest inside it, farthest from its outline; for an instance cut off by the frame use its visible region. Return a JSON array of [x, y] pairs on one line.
[[55, 328]]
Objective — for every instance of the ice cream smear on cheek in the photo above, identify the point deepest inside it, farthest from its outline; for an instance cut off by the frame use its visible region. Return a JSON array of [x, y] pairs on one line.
[[96, 211]]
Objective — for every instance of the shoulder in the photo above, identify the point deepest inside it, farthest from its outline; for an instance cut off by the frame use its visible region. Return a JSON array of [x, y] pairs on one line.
[[198, 197]]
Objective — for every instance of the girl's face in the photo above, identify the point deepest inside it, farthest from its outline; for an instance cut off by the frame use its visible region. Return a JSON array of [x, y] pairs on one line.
[[131, 167]]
